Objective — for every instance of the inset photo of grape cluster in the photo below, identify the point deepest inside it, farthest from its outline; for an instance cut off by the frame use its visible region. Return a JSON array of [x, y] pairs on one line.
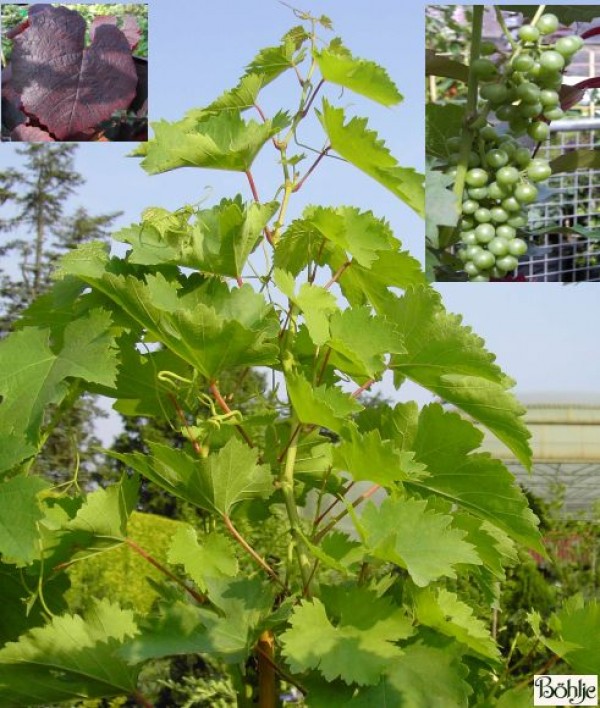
[[513, 137]]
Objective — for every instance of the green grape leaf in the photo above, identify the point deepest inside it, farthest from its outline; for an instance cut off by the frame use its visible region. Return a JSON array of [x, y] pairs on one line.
[[218, 242], [447, 614], [72, 657], [20, 513], [442, 203], [212, 558], [327, 407], [451, 361], [576, 160], [406, 532], [221, 142], [315, 303], [476, 483], [242, 97], [441, 122], [271, 62], [360, 342], [366, 78], [215, 483], [300, 245], [187, 629], [105, 512], [357, 649], [366, 151], [439, 65], [413, 679], [203, 322], [367, 458], [579, 623], [35, 372], [360, 234]]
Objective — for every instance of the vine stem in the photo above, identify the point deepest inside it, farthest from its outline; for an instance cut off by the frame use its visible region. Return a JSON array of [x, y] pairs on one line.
[[365, 387], [267, 694], [250, 178], [201, 599], [250, 551], [359, 500], [181, 415], [333, 504], [222, 403], [284, 675], [471, 105], [310, 170], [337, 275], [286, 482]]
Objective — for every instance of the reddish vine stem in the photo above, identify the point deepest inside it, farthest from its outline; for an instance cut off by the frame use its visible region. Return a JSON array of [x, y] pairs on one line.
[[267, 692], [141, 700], [284, 675], [363, 388], [293, 437], [337, 275], [323, 366], [165, 571], [248, 548], [182, 418], [333, 504], [225, 408], [311, 169], [554, 659], [266, 231], [359, 500], [313, 275], [312, 98]]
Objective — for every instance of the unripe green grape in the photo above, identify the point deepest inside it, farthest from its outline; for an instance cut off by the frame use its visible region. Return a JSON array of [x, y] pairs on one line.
[[487, 49], [469, 238], [481, 278], [496, 158], [539, 131], [505, 112], [497, 273], [466, 223], [550, 79], [534, 72], [485, 233], [453, 144], [483, 215], [530, 110], [518, 221], [462, 254], [470, 206], [528, 34], [554, 113], [506, 232], [568, 46], [476, 177], [552, 61], [524, 62], [484, 260], [528, 92], [498, 246], [471, 269], [507, 175], [547, 23], [498, 191], [478, 193], [494, 93], [518, 126], [507, 263], [511, 204], [474, 159], [522, 156], [517, 247], [526, 193], [472, 251], [451, 172], [549, 98], [509, 145], [488, 134], [539, 170], [499, 215], [478, 123], [484, 69]]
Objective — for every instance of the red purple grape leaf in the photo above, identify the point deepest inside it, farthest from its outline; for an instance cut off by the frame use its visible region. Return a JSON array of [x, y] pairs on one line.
[[131, 30], [101, 20], [66, 86], [31, 134]]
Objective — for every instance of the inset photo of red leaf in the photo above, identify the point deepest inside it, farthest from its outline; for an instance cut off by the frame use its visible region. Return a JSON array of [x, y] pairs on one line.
[[72, 74]]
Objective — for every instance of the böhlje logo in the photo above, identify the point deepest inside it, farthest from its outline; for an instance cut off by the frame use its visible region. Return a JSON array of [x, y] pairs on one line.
[[565, 690]]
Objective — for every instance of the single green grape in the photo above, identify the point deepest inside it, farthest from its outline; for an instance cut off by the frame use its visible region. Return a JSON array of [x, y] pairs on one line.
[[484, 260], [476, 177], [552, 61], [528, 34], [526, 193], [470, 206], [507, 175], [538, 131], [547, 23], [517, 247], [539, 170], [496, 158], [498, 246], [506, 232], [484, 69], [507, 263]]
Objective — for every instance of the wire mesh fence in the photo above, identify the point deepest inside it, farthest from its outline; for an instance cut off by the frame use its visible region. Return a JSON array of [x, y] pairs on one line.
[[568, 200]]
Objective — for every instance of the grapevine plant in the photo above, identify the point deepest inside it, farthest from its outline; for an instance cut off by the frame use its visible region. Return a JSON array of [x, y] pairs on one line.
[[485, 150], [382, 508]]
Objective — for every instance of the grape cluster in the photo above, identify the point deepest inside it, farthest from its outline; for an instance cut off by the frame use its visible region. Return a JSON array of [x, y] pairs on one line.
[[522, 90]]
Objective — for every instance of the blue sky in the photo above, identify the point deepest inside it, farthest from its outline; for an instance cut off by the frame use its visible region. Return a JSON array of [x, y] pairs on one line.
[[545, 335]]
